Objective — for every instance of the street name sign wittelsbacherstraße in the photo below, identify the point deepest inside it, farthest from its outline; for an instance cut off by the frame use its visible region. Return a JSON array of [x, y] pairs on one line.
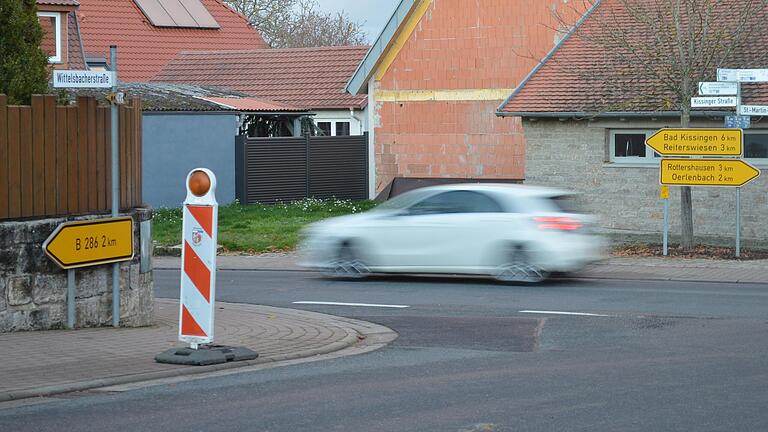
[[706, 172], [89, 243], [83, 79], [697, 142]]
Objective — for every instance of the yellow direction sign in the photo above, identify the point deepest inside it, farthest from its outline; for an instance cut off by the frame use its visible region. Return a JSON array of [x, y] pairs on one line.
[[697, 142], [89, 243], [706, 172]]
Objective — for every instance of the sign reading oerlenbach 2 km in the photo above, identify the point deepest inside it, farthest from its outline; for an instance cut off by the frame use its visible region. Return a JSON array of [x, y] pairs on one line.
[[697, 142], [83, 79], [706, 172], [90, 243]]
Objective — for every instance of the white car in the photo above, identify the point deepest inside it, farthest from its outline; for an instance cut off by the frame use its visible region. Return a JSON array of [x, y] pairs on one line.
[[514, 233]]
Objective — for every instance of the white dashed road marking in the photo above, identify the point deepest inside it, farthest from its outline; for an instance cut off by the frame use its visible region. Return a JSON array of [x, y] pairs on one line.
[[563, 313], [351, 304]]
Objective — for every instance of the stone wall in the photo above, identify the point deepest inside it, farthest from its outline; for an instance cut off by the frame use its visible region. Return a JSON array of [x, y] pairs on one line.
[[33, 290], [574, 155]]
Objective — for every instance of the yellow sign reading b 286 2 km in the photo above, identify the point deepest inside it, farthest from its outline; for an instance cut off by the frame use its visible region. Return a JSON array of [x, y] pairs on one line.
[[697, 142], [89, 243]]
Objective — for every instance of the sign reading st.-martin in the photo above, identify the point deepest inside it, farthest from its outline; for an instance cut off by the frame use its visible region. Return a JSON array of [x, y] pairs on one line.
[[718, 88], [713, 101], [742, 75], [754, 110], [706, 172], [83, 79], [697, 142]]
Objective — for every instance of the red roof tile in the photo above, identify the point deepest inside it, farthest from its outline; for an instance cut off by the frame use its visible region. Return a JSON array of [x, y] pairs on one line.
[[312, 78], [582, 76], [251, 104], [144, 49]]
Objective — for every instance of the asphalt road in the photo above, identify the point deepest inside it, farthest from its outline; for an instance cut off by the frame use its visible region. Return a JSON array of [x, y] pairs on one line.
[[655, 356]]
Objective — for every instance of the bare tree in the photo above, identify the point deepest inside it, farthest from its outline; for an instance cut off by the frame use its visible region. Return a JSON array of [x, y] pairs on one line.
[[664, 48], [299, 23]]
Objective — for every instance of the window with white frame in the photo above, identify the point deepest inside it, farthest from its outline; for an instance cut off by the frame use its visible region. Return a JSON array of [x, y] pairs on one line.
[[333, 127], [628, 146], [51, 44], [756, 145]]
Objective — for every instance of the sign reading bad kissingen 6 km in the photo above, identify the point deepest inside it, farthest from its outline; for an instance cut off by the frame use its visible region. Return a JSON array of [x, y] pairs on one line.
[[697, 142]]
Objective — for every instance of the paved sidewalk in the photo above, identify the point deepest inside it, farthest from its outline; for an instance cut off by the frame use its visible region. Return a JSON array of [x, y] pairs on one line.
[[673, 269], [50, 362]]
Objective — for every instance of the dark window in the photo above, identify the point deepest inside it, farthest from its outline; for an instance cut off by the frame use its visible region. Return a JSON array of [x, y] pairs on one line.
[[342, 128], [629, 144], [325, 128], [456, 202], [756, 145]]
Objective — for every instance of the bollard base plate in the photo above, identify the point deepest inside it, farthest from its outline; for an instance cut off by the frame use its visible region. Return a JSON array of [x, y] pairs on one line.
[[205, 355]]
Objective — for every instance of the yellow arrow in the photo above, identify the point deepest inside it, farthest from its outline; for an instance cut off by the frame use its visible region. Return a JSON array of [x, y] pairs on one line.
[[697, 142], [89, 243], [706, 172]]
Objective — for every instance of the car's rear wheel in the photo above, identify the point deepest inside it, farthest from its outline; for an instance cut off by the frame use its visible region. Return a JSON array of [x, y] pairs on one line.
[[519, 268], [347, 264]]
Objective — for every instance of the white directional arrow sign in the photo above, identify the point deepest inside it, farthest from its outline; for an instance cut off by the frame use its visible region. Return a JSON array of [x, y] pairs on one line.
[[718, 88]]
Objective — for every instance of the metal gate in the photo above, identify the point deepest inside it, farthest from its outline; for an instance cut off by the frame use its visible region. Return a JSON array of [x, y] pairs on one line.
[[269, 170]]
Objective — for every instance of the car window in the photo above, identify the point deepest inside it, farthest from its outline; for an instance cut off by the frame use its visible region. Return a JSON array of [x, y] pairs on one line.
[[402, 201], [456, 202]]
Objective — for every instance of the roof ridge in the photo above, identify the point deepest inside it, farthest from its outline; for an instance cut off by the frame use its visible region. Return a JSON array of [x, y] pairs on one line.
[[275, 50]]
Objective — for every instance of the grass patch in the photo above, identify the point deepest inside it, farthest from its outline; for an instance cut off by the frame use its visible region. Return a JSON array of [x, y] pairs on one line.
[[258, 228]]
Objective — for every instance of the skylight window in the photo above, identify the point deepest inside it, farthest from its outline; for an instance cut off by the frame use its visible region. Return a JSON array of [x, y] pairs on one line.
[[177, 13]]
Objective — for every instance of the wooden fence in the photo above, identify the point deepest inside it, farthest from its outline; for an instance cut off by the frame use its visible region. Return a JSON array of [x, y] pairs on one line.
[[56, 160]]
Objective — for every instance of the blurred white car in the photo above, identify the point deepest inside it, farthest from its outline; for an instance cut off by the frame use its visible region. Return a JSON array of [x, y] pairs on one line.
[[511, 232]]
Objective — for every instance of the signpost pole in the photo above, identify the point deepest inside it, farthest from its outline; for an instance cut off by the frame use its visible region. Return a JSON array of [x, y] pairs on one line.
[[738, 189], [115, 189], [666, 226], [70, 299]]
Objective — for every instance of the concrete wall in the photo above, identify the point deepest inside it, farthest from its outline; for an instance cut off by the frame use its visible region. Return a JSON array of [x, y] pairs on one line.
[[175, 143], [435, 103], [574, 155], [33, 290]]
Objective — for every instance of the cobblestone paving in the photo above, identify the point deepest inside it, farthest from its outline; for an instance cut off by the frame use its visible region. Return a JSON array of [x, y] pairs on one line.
[[45, 362]]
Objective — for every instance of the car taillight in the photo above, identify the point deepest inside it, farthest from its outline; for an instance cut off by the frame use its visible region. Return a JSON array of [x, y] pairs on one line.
[[558, 223]]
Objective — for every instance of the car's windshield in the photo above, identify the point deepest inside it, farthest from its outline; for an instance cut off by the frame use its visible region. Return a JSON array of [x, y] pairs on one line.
[[403, 201]]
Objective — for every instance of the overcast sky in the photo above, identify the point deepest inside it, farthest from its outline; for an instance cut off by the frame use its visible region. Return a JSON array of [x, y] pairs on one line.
[[375, 13]]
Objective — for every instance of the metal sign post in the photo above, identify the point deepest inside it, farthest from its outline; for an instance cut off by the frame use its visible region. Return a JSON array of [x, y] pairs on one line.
[[664, 195], [115, 188]]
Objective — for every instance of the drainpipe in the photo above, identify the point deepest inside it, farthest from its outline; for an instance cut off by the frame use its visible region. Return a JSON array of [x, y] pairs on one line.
[[359, 120]]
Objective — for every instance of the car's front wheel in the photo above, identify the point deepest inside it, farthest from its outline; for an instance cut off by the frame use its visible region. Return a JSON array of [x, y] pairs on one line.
[[519, 267], [347, 264]]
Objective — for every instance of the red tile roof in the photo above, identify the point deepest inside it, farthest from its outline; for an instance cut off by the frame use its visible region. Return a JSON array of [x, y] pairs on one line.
[[251, 104], [312, 78], [74, 48], [581, 76], [144, 49]]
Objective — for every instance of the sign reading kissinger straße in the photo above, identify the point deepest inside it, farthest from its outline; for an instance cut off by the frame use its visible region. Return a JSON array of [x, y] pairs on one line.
[[697, 142]]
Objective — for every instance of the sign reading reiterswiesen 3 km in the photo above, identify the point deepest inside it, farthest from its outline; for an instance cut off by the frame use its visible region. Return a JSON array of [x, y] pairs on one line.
[[90, 243], [724, 144]]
